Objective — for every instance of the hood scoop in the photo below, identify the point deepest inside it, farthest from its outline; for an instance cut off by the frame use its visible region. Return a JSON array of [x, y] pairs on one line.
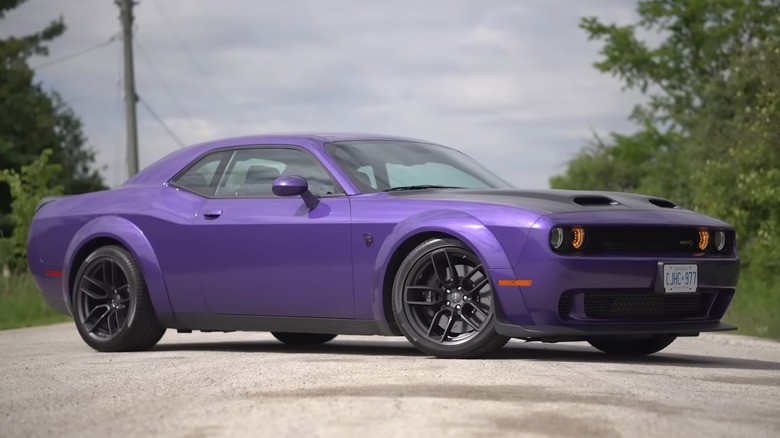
[[590, 201], [663, 203]]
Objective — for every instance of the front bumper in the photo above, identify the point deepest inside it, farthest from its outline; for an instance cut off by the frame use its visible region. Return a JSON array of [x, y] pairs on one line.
[[562, 288], [582, 295]]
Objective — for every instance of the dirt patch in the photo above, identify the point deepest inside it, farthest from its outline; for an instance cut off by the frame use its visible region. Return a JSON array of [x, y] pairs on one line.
[[505, 394], [556, 425]]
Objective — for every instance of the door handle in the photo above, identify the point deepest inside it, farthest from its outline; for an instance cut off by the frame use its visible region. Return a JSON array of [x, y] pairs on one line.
[[213, 213]]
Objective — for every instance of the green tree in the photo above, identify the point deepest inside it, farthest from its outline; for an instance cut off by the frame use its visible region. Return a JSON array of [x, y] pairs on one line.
[[33, 120], [620, 163], [698, 40], [740, 178]]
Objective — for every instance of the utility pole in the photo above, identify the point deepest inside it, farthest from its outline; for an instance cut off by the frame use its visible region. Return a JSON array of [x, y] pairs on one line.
[[126, 17]]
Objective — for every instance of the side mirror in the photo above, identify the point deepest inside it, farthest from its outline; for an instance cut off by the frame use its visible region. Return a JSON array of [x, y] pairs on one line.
[[292, 185]]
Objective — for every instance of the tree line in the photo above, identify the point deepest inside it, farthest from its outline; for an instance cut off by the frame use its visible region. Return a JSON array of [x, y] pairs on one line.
[[36, 127], [708, 133]]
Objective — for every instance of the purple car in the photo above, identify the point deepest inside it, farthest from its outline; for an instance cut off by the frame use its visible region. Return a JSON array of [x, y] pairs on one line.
[[313, 235]]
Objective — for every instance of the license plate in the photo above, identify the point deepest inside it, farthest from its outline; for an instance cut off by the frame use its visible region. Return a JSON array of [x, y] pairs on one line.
[[680, 278]]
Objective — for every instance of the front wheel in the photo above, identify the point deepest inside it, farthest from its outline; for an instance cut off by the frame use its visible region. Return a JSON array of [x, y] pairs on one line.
[[633, 347], [443, 301], [111, 305]]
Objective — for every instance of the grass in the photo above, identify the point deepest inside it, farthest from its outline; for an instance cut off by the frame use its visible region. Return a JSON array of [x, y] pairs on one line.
[[21, 305], [756, 307]]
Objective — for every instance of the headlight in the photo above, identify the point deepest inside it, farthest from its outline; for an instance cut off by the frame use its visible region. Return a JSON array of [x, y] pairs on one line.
[[556, 238], [720, 241], [704, 238], [567, 239]]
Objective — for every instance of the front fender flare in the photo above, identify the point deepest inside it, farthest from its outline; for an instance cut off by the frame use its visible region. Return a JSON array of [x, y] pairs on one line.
[[129, 235], [462, 226]]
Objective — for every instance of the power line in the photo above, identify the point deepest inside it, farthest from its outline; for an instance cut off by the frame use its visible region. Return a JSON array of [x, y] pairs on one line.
[[201, 71], [162, 82], [160, 121], [76, 54]]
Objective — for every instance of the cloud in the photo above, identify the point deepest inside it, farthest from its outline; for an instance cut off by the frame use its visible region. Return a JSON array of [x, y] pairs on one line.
[[508, 82]]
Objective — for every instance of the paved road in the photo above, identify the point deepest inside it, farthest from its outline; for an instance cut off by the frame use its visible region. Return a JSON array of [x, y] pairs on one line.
[[246, 384]]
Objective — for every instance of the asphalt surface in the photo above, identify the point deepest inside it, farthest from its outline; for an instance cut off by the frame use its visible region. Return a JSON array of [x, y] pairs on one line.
[[247, 384]]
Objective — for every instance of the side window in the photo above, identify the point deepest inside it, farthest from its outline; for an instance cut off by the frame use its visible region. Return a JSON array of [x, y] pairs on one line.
[[251, 172], [202, 176]]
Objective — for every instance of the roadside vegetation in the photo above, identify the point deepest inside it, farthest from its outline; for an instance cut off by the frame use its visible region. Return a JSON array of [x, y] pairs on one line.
[[755, 307], [708, 131], [21, 304], [36, 128]]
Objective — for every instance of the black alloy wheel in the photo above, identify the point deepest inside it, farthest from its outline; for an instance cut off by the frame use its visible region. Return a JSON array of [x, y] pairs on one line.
[[111, 305], [444, 303], [303, 338]]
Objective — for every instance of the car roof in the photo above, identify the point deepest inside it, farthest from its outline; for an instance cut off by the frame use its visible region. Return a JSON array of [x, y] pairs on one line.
[[326, 137], [163, 169]]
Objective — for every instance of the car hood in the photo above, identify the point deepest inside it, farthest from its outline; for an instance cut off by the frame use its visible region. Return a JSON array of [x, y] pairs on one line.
[[547, 201]]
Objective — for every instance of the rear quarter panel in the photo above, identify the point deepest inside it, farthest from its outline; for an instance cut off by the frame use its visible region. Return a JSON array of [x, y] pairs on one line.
[[150, 221]]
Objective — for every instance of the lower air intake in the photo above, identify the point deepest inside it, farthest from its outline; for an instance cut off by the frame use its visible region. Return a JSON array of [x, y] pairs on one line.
[[564, 306], [600, 305]]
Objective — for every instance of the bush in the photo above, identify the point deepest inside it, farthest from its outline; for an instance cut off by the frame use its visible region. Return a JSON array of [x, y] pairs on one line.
[[28, 187], [21, 304]]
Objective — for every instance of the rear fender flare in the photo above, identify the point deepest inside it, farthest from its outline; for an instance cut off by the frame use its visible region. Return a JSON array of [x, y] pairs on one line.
[[132, 238]]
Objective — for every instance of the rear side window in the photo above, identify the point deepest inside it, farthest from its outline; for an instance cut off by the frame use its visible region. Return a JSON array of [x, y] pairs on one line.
[[203, 176]]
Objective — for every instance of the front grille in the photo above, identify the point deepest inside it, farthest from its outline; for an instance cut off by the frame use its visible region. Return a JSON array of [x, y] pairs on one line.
[[600, 305], [682, 240]]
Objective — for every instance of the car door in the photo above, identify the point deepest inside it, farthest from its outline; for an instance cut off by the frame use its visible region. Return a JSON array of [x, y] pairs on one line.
[[273, 256]]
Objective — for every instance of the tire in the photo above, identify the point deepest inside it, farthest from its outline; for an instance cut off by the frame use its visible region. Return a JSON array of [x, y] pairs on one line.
[[303, 338], [444, 315], [111, 305], [633, 347]]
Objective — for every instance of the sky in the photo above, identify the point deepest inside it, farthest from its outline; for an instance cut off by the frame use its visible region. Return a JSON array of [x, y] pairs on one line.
[[509, 82]]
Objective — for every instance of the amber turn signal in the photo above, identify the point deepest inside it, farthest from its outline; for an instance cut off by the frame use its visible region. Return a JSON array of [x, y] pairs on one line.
[[578, 237], [515, 282], [704, 238]]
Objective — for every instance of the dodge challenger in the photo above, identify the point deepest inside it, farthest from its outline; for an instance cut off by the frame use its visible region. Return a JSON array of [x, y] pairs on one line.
[[309, 236]]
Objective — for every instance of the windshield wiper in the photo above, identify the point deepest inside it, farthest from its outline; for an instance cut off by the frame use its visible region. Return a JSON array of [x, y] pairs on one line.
[[421, 187]]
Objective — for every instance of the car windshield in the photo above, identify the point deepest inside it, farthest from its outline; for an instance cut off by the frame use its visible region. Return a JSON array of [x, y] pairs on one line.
[[376, 166]]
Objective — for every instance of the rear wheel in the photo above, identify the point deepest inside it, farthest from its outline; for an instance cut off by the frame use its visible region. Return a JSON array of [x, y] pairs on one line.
[[111, 305], [443, 301], [303, 338], [633, 347]]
